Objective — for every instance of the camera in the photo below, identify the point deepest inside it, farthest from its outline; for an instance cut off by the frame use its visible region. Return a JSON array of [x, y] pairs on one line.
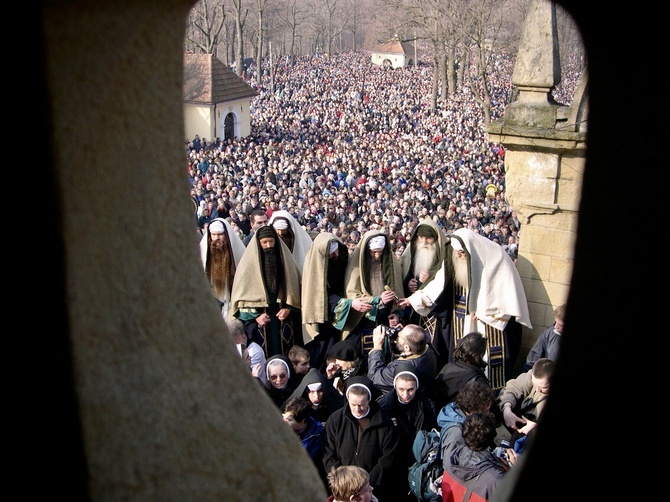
[[391, 333]]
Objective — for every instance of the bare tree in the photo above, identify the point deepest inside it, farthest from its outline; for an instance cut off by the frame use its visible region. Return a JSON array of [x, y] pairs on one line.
[[293, 14], [260, 6], [240, 19], [355, 20], [203, 26]]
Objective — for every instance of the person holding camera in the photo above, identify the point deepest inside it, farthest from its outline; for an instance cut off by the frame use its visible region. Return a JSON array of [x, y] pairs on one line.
[[409, 344], [522, 399]]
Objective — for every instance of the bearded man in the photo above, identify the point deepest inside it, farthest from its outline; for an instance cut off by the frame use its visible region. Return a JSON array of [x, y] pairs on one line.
[[373, 282], [266, 293], [485, 294], [220, 252], [293, 234], [420, 262]]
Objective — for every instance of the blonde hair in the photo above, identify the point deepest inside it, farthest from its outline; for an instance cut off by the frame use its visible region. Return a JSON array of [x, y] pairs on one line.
[[297, 354], [347, 480]]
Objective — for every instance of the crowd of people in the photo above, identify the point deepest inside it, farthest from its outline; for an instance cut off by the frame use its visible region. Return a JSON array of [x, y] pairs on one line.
[[346, 146], [356, 242]]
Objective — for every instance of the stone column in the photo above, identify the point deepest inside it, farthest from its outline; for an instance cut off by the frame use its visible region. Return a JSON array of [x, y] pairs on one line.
[[545, 146]]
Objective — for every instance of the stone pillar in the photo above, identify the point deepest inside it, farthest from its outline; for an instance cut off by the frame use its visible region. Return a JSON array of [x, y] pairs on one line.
[[545, 146]]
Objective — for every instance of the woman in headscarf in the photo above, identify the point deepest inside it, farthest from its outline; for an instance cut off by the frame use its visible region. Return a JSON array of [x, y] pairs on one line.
[[411, 411], [320, 392], [344, 361], [280, 379], [361, 434]]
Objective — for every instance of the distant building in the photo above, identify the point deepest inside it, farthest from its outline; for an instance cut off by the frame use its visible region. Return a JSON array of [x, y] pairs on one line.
[[216, 100], [394, 54]]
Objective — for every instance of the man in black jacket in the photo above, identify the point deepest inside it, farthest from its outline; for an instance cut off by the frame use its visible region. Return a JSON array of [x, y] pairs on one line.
[[411, 345]]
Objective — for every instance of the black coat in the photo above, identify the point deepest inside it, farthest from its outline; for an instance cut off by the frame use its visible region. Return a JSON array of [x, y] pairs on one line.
[[332, 399], [451, 378], [376, 450]]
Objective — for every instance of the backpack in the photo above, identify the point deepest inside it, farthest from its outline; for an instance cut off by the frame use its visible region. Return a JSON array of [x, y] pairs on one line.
[[427, 450]]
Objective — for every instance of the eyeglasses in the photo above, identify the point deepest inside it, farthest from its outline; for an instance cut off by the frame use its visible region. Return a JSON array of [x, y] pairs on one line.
[[278, 377]]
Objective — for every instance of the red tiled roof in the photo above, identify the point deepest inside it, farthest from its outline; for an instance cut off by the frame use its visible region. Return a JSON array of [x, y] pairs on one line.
[[208, 81], [395, 46]]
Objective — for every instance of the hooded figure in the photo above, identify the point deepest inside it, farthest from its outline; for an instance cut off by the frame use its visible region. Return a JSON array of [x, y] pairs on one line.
[[325, 306], [220, 258], [360, 434], [368, 278], [485, 294], [420, 262], [279, 389], [321, 393], [410, 410], [266, 294], [293, 234]]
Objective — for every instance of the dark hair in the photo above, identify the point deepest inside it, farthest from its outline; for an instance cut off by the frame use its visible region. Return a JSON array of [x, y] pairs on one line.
[[300, 407], [257, 212], [543, 368], [475, 396], [479, 431], [471, 349]]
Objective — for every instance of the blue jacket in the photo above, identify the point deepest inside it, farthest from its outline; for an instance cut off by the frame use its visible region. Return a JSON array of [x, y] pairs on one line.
[[312, 439]]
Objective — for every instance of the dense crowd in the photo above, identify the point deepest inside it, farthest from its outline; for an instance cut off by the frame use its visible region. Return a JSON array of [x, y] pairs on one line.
[[352, 151], [347, 146]]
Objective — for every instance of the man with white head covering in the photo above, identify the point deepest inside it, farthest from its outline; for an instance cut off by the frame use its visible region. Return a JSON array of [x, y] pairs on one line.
[[220, 252], [373, 281], [486, 296], [293, 234]]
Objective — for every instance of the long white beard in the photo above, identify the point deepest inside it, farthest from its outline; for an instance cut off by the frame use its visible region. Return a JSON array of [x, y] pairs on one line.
[[460, 270], [424, 259]]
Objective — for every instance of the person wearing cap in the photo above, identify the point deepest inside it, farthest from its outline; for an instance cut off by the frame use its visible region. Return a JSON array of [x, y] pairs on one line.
[[220, 253], [293, 234], [266, 293], [420, 262], [411, 411], [361, 434], [484, 294], [343, 362], [325, 306], [373, 281]]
